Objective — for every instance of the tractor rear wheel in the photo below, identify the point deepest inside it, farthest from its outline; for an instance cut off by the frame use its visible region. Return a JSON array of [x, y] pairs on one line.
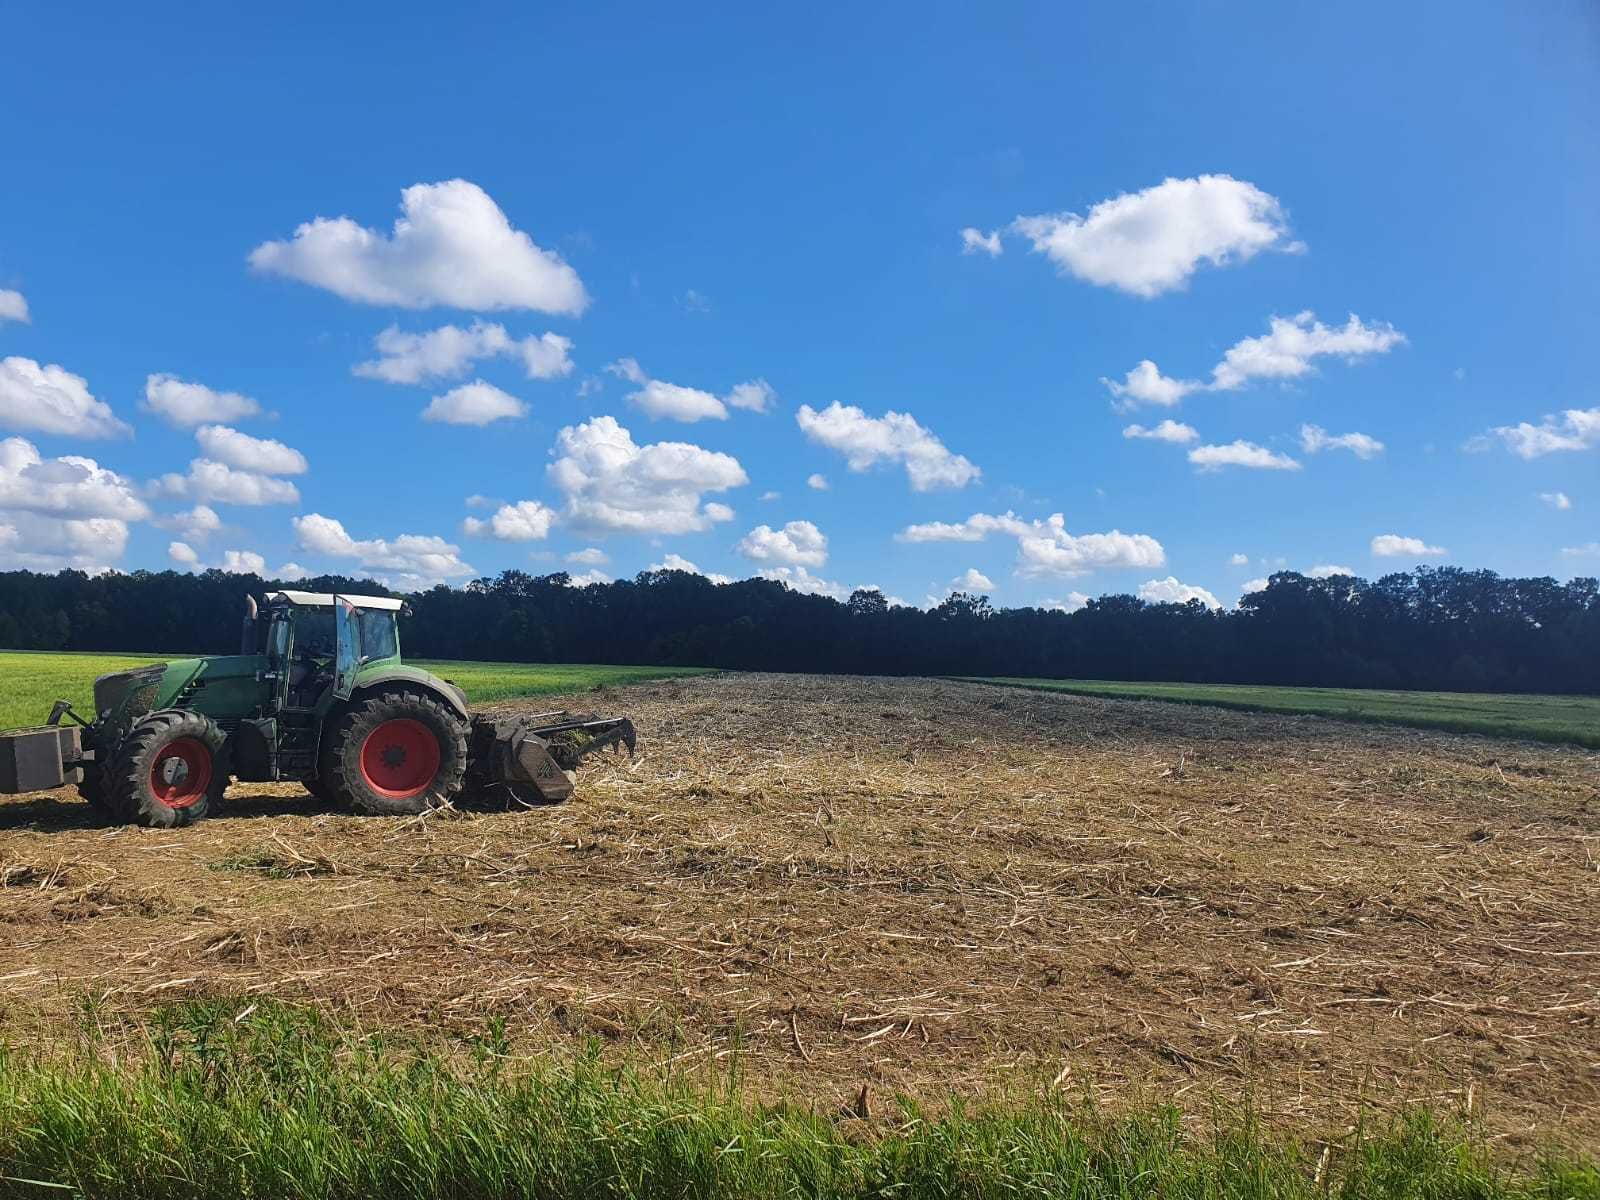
[[170, 770], [396, 754]]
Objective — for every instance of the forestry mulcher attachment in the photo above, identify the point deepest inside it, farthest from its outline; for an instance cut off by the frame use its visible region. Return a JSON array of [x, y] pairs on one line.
[[317, 693]]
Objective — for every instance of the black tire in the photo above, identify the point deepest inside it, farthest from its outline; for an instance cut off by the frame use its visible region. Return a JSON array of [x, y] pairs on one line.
[[355, 772], [170, 770]]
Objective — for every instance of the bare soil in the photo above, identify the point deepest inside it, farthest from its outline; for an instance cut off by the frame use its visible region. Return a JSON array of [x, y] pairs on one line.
[[919, 886]]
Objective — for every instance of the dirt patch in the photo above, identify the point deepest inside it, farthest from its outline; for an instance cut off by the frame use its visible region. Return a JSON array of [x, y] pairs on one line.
[[915, 885]]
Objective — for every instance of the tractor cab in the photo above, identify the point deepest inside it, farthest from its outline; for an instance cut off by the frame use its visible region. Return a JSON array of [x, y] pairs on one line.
[[314, 643]]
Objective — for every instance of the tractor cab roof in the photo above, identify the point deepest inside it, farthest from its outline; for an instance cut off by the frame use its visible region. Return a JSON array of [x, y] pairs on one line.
[[325, 600]]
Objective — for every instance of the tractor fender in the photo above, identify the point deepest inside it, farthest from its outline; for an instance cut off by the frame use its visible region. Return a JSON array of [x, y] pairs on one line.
[[370, 681]]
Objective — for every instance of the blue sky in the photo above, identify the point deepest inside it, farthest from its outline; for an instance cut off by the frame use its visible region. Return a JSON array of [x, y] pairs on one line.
[[630, 216]]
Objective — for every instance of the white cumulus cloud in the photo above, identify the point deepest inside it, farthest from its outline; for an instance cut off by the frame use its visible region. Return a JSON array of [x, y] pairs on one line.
[[216, 482], [1045, 547], [32, 542], [1574, 429], [185, 404], [1393, 545], [972, 580], [237, 449], [817, 482], [62, 512], [799, 579], [475, 403], [1559, 501], [1328, 571], [1587, 550], [1145, 384], [524, 521], [412, 560], [243, 562], [974, 529], [1168, 431], [196, 524], [753, 395], [450, 352], [799, 543], [1149, 242], [13, 306], [1288, 350], [1239, 560], [591, 556], [676, 562], [51, 399], [451, 246], [234, 468], [1171, 591], [1314, 438], [1241, 454], [671, 401], [183, 554], [612, 484], [975, 240], [70, 486], [660, 400], [893, 437]]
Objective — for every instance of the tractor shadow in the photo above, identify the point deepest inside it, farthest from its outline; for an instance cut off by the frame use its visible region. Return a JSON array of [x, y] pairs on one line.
[[62, 812], [49, 813]]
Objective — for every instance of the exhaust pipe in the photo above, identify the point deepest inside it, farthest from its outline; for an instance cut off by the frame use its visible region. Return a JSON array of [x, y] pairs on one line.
[[247, 637]]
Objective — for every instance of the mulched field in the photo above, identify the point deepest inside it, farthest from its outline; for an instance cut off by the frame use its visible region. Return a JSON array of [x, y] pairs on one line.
[[916, 886]]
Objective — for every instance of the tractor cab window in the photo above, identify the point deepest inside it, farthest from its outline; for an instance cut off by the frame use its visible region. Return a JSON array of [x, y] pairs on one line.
[[378, 637], [313, 633]]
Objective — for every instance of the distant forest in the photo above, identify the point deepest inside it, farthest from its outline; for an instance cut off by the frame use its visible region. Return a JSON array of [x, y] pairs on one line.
[[1432, 628]]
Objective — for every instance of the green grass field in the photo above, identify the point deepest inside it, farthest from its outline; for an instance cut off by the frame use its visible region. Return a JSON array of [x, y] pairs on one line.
[[225, 1099], [31, 682], [1574, 719]]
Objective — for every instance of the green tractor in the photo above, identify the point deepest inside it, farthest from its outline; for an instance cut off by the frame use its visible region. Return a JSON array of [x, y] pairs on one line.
[[318, 694]]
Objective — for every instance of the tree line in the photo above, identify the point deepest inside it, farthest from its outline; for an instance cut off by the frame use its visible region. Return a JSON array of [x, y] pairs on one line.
[[1442, 628]]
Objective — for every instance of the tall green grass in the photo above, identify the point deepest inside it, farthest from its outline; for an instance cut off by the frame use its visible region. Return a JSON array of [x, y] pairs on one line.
[[224, 1101], [486, 681], [1574, 719], [31, 681]]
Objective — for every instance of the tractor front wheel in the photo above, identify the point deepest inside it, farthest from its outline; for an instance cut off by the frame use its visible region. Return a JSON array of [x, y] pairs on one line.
[[396, 754], [169, 770], [90, 789]]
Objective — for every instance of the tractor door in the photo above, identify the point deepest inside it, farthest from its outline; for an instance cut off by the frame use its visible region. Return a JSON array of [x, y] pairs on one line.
[[279, 663], [346, 647]]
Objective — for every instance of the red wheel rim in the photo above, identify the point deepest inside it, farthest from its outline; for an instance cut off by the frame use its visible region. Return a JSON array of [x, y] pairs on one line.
[[400, 758], [181, 773]]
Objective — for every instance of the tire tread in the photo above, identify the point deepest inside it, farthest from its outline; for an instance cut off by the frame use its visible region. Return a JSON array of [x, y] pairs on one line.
[[124, 788], [340, 770]]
